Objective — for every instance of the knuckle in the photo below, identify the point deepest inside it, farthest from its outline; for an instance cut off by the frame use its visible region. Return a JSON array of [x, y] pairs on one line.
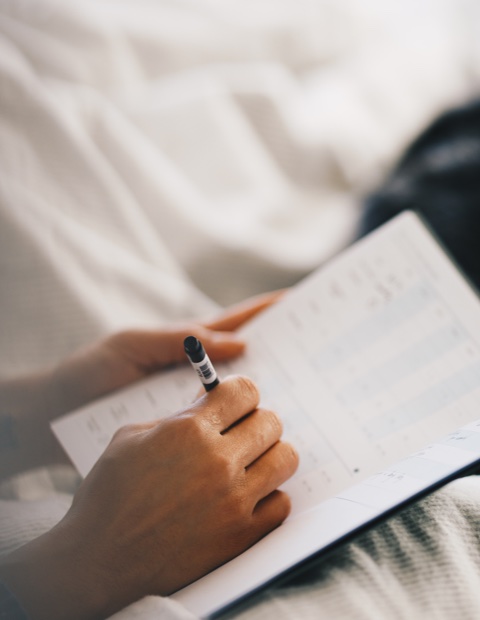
[[290, 456], [247, 389], [223, 466], [191, 427], [273, 421], [223, 470], [126, 440], [284, 460], [125, 432]]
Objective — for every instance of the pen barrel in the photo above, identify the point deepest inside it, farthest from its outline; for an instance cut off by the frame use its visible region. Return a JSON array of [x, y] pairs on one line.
[[201, 362], [206, 371]]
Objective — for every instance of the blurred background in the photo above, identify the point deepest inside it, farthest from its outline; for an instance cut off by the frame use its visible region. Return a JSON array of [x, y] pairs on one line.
[[159, 158]]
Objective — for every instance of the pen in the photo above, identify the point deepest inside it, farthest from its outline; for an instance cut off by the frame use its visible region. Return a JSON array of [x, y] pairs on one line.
[[201, 362]]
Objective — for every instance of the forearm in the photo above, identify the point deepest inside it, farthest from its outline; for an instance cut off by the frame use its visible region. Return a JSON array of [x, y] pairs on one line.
[[52, 579], [26, 441]]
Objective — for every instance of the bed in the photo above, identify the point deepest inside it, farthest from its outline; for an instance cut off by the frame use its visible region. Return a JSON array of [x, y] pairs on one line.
[[160, 159]]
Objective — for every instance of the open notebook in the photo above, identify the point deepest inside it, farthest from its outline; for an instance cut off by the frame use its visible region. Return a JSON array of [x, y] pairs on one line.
[[373, 363]]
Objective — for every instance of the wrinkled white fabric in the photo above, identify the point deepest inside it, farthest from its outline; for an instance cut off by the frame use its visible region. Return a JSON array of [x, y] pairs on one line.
[[160, 157], [152, 149], [423, 563]]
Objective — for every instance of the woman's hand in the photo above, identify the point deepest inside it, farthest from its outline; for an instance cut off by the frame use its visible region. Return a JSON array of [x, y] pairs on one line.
[[28, 404], [129, 356], [166, 503]]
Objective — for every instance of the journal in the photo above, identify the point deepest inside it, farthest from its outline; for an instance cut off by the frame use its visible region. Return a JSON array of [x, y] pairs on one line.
[[373, 363]]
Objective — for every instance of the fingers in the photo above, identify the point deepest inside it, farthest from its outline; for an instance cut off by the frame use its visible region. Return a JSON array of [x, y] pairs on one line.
[[249, 433], [151, 350], [254, 435], [272, 510], [229, 402], [235, 316], [269, 513], [248, 438], [219, 345], [272, 469]]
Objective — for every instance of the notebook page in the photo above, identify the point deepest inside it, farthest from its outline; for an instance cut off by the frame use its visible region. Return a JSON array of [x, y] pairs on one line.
[[369, 359], [363, 360]]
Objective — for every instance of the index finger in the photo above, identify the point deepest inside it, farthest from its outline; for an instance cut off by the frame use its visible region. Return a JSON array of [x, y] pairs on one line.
[[231, 400], [237, 315]]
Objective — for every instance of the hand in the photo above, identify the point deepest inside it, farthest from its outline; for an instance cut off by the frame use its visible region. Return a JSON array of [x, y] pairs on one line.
[[165, 504], [129, 356], [30, 403]]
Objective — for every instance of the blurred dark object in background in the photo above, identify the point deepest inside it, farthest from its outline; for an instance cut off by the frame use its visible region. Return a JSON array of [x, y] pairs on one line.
[[439, 177]]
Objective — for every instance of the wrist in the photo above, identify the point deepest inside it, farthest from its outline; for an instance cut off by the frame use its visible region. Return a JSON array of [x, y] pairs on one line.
[[27, 407], [52, 579], [31, 402]]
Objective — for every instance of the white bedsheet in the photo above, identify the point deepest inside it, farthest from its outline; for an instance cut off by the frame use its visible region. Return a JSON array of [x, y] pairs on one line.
[[151, 149], [158, 158]]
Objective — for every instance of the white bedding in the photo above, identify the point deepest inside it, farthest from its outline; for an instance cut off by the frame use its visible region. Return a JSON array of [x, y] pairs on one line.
[[158, 158]]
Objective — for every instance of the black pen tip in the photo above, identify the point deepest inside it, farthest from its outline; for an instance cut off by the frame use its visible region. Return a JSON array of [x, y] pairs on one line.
[[192, 345]]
